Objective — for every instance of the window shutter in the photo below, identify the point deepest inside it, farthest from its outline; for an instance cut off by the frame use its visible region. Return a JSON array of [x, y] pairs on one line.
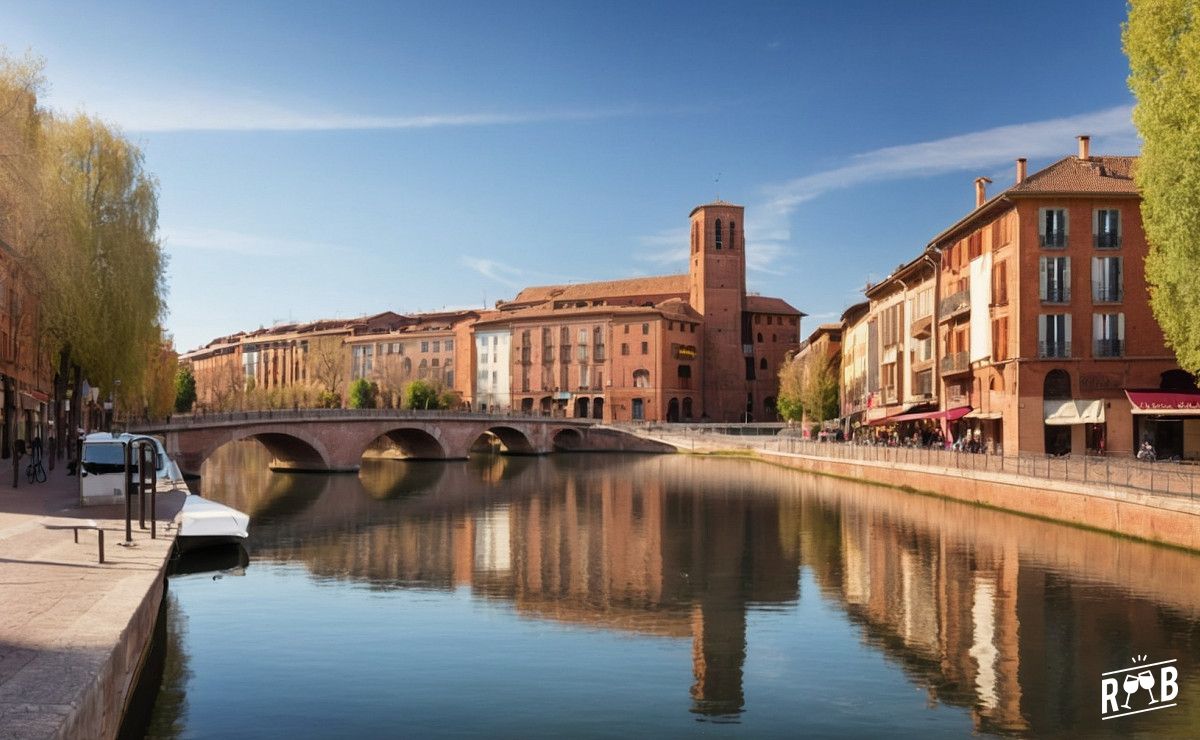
[[1097, 277], [1066, 278], [1096, 222], [1042, 278], [1097, 326], [1117, 276], [1067, 334], [1065, 222], [1042, 318], [1121, 327]]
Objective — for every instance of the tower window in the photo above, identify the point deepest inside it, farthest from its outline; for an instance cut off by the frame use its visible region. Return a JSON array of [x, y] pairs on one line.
[[732, 234], [718, 233]]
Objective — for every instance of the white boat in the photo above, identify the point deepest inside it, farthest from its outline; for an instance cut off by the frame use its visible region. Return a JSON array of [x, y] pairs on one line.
[[203, 523], [102, 470]]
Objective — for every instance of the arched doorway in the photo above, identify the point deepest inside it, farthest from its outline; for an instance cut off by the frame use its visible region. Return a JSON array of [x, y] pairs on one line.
[[598, 408], [527, 406], [1057, 387], [673, 410], [581, 408], [769, 408], [687, 409], [546, 405]]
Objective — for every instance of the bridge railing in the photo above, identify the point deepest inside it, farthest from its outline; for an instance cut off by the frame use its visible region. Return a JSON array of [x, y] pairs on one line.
[[178, 421]]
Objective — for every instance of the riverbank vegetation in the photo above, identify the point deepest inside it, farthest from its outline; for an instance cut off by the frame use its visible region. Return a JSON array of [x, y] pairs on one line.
[[79, 221]]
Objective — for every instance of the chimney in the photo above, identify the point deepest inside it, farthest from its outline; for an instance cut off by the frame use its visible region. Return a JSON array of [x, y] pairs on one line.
[[1020, 170], [1084, 141], [980, 190]]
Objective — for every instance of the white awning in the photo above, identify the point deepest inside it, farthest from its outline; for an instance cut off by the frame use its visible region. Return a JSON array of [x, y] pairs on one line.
[[977, 414], [1065, 413]]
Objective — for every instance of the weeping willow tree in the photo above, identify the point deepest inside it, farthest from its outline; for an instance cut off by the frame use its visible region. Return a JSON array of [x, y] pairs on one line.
[[102, 269], [81, 214]]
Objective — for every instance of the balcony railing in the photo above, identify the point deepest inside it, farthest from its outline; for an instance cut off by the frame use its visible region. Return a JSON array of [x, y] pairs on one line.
[[1107, 293], [953, 305], [1108, 348], [1057, 294], [1054, 349], [955, 362], [1054, 239], [1106, 241], [598, 352]]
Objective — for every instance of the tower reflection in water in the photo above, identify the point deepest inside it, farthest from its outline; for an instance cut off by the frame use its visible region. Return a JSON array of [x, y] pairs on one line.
[[1010, 618]]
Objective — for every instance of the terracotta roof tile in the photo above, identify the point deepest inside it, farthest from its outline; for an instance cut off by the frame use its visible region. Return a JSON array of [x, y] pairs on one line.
[[663, 285], [766, 304], [1074, 175]]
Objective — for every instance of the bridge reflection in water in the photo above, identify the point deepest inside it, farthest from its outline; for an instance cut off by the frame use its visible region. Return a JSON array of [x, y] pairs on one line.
[[1010, 619]]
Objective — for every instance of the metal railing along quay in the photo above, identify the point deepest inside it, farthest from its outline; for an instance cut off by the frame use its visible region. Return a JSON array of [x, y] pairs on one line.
[[1164, 477]]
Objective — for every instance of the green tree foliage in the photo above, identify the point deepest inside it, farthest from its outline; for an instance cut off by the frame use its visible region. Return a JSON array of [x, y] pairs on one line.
[[362, 394], [81, 214], [808, 389], [1162, 41], [791, 390], [185, 389], [422, 394]]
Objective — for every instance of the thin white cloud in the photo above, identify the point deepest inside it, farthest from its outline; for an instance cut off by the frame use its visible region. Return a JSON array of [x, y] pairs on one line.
[[202, 112], [496, 271], [976, 150], [669, 246], [180, 239]]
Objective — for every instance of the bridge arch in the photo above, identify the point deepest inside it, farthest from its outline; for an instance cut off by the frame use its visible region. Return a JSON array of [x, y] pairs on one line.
[[511, 441], [406, 443], [567, 439], [289, 452]]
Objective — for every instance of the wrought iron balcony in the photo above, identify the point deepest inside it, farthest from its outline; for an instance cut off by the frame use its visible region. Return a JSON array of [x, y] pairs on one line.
[[1054, 239], [1054, 349], [1106, 241], [1107, 293], [955, 362], [1108, 348], [953, 305]]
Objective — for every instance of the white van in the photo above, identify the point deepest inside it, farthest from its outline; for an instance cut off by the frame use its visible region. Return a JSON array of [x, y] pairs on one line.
[[102, 470]]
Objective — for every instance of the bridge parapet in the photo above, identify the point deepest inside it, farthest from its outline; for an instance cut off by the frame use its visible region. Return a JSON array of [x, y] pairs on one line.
[[334, 440], [192, 421]]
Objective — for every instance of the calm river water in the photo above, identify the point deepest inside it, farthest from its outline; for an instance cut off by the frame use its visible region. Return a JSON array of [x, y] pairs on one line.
[[608, 595]]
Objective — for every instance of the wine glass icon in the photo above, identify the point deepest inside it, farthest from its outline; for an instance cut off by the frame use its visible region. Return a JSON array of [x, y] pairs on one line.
[[1130, 684], [1146, 679]]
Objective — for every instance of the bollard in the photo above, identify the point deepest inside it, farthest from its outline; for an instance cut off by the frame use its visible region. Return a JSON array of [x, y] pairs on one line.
[[141, 455], [128, 501]]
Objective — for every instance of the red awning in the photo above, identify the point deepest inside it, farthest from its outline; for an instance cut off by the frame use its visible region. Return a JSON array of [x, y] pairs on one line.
[[949, 415], [1164, 402]]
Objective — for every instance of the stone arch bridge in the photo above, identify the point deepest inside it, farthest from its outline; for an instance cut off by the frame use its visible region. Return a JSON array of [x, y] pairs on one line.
[[336, 440]]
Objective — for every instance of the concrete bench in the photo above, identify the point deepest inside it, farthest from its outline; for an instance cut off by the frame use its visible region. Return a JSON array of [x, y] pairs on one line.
[[76, 525]]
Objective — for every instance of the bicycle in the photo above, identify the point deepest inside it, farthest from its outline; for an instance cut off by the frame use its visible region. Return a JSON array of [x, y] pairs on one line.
[[35, 471]]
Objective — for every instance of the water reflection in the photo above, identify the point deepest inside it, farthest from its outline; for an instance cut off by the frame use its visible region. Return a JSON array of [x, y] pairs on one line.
[[1009, 619]]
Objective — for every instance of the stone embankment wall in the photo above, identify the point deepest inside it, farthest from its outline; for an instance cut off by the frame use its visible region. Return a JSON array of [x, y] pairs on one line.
[[1149, 517], [103, 702]]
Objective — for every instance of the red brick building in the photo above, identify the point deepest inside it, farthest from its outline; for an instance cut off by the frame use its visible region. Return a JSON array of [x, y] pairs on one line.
[[1038, 286], [672, 348]]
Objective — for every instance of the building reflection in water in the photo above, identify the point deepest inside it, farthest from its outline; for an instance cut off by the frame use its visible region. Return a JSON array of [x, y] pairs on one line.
[[1010, 618]]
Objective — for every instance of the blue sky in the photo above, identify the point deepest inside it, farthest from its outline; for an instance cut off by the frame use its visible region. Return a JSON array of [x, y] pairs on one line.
[[319, 160]]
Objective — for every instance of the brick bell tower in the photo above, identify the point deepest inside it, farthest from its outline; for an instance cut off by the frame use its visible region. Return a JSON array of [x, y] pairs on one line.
[[717, 279]]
